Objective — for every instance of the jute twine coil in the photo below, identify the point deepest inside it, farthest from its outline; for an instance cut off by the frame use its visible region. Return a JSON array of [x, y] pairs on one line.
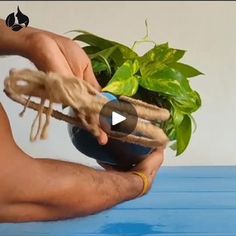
[[23, 85]]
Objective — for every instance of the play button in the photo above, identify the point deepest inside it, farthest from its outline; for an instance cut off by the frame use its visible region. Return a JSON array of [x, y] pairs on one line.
[[116, 118]]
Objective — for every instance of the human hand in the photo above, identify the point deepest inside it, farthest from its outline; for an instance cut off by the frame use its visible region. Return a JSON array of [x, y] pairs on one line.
[[55, 53], [149, 166]]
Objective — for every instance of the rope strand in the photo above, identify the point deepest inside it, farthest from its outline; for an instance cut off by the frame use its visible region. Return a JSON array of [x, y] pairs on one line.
[[85, 100]]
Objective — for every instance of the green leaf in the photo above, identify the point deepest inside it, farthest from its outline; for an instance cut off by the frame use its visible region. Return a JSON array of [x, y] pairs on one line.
[[126, 87], [127, 70], [91, 50], [172, 83], [169, 82], [170, 130], [186, 70], [106, 53], [93, 40], [158, 59], [127, 52], [123, 73], [105, 63], [98, 66], [119, 56], [104, 56], [123, 81], [188, 103], [135, 66], [183, 132], [178, 117]]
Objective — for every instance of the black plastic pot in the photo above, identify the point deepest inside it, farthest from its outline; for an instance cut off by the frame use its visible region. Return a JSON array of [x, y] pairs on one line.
[[115, 152]]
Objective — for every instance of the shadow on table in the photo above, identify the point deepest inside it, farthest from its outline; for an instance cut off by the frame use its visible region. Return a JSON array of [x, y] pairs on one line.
[[131, 228]]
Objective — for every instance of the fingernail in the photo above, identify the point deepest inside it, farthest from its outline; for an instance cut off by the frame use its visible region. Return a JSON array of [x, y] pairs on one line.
[[101, 141]]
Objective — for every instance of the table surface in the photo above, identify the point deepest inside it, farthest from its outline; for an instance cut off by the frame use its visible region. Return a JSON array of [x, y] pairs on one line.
[[198, 201]]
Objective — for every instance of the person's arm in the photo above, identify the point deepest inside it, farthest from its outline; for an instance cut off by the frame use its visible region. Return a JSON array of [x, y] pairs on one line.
[[13, 43], [41, 189], [37, 189], [50, 53]]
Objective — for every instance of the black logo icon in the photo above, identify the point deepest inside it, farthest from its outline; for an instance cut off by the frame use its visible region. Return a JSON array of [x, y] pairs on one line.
[[22, 19]]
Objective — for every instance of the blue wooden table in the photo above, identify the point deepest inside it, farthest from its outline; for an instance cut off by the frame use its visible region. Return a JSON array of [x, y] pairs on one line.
[[198, 201]]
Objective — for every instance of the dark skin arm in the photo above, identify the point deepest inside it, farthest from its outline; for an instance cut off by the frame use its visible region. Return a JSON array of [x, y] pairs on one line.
[[39, 189]]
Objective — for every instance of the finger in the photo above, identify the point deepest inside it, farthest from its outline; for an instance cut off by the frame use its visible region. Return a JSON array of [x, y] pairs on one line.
[[59, 66], [80, 64], [49, 58], [156, 160], [152, 163], [105, 126], [102, 138], [156, 157], [90, 77]]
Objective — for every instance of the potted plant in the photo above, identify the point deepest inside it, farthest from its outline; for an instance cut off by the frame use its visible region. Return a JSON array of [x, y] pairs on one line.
[[157, 77]]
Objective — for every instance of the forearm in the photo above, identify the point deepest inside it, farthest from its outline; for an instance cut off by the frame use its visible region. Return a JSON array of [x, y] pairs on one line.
[[17, 43], [12, 43], [51, 189], [87, 189]]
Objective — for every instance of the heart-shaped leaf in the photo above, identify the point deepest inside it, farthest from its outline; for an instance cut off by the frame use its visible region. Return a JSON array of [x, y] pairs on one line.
[[183, 132], [123, 81], [168, 81], [186, 70], [158, 59], [126, 87]]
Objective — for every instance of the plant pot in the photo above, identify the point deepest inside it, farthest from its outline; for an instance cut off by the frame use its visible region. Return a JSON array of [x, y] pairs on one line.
[[115, 152]]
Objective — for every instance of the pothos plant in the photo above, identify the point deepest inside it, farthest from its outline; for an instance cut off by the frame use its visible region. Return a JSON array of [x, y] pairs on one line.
[[157, 77]]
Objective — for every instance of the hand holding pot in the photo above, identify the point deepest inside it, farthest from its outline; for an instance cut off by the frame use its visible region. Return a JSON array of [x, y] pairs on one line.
[[54, 53], [149, 166]]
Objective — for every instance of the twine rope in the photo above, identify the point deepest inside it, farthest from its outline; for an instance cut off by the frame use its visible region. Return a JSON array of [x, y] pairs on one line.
[[23, 85]]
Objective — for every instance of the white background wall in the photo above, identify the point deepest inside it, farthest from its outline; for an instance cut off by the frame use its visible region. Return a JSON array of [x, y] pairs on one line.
[[206, 29]]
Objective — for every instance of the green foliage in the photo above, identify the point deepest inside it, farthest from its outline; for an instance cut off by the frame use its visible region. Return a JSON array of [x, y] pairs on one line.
[[183, 134], [186, 70], [156, 77], [123, 82]]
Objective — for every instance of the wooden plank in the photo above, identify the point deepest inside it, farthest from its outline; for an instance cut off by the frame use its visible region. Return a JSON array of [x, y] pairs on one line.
[[168, 234], [186, 201], [198, 171], [162, 234], [197, 179], [137, 222], [194, 184], [182, 200]]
